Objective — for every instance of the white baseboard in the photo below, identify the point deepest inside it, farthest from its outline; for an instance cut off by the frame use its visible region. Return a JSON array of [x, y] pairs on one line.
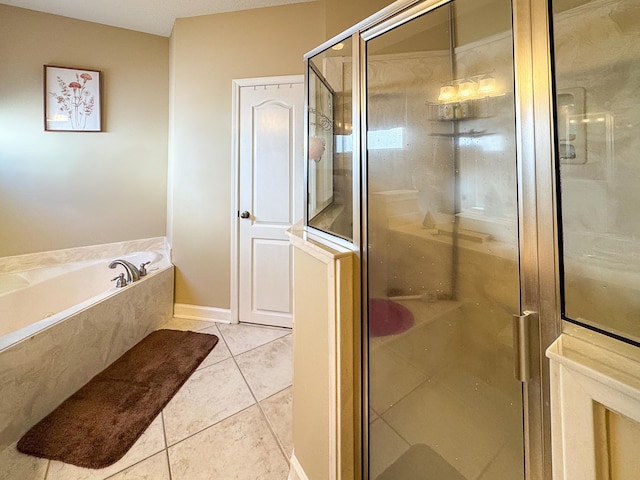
[[197, 312], [296, 472]]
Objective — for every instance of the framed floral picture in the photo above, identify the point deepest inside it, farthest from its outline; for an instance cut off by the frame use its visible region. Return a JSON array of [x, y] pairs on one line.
[[72, 99]]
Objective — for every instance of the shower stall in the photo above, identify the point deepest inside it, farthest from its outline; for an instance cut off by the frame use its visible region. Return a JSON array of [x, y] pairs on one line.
[[433, 153]]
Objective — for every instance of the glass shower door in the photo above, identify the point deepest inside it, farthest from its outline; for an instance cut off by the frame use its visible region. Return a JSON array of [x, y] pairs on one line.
[[597, 65], [442, 247]]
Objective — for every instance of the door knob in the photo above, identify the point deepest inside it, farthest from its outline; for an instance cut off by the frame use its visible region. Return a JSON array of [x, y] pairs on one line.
[[245, 214]]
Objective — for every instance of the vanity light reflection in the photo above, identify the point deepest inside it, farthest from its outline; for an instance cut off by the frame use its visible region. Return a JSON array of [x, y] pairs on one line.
[[465, 98], [480, 86]]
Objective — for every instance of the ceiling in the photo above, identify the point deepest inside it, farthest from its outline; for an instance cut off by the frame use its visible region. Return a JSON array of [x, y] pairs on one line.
[[149, 16]]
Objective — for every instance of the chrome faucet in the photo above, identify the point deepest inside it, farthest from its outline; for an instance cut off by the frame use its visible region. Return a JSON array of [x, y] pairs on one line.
[[133, 274]]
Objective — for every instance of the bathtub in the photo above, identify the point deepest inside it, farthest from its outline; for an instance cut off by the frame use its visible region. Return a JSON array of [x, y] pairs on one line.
[[34, 300], [62, 324]]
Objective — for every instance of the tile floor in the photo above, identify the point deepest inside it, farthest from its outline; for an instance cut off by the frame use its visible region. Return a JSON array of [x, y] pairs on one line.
[[413, 403], [230, 420]]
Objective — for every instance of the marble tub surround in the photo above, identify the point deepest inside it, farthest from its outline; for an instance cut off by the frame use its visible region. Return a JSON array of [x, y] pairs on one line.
[[202, 434], [20, 263], [41, 371], [51, 294]]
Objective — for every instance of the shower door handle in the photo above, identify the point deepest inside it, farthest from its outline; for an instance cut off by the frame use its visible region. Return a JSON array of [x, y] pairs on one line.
[[522, 345]]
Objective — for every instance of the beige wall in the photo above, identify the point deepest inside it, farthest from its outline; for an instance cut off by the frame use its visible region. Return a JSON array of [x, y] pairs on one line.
[[59, 189], [311, 408], [623, 437], [326, 410], [207, 53], [343, 14]]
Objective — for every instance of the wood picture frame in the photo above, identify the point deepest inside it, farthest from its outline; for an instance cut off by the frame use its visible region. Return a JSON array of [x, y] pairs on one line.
[[72, 99]]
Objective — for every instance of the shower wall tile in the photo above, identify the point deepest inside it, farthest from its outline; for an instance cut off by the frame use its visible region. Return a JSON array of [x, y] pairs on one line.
[[414, 266], [397, 98], [40, 372], [597, 50], [487, 163]]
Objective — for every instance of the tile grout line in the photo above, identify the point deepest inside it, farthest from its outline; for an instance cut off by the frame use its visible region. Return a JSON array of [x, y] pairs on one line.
[[404, 397], [208, 427], [264, 416], [273, 431], [258, 346], [221, 338], [164, 449], [166, 458], [166, 443], [46, 471], [131, 466], [257, 403]]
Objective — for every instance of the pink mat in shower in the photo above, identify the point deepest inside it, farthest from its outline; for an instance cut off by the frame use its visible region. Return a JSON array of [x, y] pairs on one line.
[[388, 318]]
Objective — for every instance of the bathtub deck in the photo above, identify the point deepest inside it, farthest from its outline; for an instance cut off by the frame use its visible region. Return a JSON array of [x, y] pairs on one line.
[[231, 419]]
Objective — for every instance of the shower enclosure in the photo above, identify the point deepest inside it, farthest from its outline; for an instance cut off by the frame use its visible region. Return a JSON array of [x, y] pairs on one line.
[[433, 154], [435, 126]]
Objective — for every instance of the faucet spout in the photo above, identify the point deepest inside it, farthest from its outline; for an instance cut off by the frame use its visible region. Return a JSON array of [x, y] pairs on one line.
[[133, 274]]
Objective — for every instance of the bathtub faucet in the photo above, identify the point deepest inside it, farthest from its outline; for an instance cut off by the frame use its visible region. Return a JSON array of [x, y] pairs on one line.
[[133, 274]]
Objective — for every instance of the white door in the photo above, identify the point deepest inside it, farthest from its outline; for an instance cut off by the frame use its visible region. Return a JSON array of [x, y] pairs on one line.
[[270, 199]]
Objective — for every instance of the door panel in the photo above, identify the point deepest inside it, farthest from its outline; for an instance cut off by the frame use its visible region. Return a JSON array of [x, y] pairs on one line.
[[442, 247], [270, 173], [272, 256], [272, 163]]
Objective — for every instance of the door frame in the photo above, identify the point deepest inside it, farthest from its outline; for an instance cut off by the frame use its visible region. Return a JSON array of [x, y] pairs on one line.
[[539, 265], [237, 84]]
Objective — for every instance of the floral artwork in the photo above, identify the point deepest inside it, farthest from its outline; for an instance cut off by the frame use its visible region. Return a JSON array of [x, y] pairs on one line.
[[72, 99]]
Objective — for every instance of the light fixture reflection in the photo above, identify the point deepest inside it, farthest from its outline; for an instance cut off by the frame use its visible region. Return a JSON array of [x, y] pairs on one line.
[[487, 86], [467, 89], [470, 88], [448, 93]]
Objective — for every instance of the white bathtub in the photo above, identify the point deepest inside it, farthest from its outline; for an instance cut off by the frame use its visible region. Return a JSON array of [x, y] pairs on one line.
[[36, 299], [62, 324]]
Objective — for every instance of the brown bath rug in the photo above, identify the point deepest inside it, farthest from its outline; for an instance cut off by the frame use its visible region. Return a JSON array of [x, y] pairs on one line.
[[98, 424]]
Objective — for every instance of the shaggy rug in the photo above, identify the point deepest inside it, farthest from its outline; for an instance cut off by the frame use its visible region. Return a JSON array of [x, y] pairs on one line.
[[99, 423]]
